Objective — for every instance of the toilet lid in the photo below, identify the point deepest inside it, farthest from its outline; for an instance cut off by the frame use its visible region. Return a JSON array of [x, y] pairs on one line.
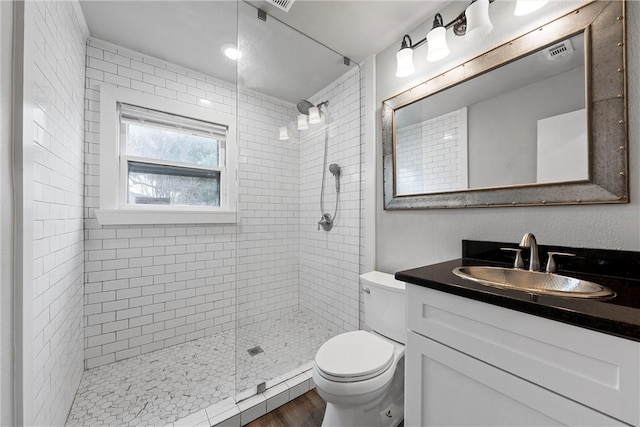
[[356, 355]]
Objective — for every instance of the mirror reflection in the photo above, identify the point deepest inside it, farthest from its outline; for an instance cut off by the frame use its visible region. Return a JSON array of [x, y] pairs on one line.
[[522, 123]]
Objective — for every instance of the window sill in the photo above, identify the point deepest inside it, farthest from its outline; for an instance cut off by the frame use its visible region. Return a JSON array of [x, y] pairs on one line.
[[148, 216]]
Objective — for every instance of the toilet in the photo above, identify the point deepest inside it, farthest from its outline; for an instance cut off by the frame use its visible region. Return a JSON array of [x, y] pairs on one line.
[[360, 374]]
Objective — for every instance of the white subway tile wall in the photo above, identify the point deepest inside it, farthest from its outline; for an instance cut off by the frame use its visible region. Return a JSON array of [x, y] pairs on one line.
[[330, 261], [149, 287], [429, 155], [269, 197], [366, 264], [59, 35]]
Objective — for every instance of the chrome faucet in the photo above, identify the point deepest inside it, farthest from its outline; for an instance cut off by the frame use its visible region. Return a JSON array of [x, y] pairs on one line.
[[529, 241]]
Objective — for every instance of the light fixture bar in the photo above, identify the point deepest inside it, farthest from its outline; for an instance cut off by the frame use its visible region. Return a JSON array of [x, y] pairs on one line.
[[436, 37], [459, 25]]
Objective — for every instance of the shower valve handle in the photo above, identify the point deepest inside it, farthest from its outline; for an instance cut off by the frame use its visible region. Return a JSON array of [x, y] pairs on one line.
[[326, 222]]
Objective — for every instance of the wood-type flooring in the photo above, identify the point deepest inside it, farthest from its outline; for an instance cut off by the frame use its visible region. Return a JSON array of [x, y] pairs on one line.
[[305, 411]]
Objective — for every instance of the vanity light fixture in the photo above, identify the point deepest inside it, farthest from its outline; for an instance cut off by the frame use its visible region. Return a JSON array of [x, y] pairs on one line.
[[309, 115], [314, 116], [404, 58], [478, 22], [525, 7], [437, 40], [302, 122], [472, 23], [284, 133]]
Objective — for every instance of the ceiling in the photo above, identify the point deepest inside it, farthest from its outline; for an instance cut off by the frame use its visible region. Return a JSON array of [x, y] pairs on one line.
[[291, 56]]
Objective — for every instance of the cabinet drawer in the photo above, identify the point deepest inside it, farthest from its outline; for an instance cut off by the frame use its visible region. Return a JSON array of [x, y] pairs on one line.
[[598, 370], [445, 387]]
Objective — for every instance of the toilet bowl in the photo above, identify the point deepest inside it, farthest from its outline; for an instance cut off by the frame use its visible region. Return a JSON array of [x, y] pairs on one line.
[[360, 374]]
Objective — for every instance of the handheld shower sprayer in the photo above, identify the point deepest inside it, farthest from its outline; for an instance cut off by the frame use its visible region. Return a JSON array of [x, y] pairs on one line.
[[318, 114], [336, 171]]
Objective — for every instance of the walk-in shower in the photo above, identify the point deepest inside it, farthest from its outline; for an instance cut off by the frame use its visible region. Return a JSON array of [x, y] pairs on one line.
[[213, 314]]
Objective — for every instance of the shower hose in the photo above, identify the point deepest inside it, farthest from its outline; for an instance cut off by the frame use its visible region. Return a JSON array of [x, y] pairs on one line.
[[326, 222]]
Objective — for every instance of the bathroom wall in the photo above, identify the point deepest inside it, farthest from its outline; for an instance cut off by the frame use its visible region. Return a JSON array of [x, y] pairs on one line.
[[269, 197], [368, 156], [412, 238], [149, 287], [56, 35], [329, 261], [431, 155], [6, 218], [516, 143]]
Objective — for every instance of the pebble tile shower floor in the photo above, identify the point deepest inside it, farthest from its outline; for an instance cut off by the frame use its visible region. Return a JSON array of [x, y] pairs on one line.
[[169, 384]]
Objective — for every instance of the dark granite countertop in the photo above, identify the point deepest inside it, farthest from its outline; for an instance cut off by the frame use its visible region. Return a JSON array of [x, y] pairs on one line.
[[619, 316]]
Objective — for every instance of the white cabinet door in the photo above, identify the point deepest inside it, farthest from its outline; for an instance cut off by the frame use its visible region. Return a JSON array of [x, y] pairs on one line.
[[445, 387], [598, 370]]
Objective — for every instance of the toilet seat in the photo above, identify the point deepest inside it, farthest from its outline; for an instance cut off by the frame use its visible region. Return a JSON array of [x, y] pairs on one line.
[[354, 356]]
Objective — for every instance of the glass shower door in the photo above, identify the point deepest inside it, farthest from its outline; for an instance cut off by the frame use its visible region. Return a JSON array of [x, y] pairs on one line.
[[297, 284]]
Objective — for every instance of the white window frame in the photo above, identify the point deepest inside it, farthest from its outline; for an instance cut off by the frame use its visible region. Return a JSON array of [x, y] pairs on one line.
[[113, 207]]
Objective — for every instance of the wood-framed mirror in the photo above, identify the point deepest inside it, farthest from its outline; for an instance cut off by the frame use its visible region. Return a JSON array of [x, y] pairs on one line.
[[553, 131]]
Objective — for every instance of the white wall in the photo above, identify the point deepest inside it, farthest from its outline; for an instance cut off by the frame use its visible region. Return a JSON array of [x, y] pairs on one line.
[[413, 238], [6, 219], [503, 130], [330, 261], [56, 35]]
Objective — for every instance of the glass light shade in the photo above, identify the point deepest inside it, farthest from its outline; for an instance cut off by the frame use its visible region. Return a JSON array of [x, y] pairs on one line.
[[404, 59], [525, 7], [284, 133], [314, 116], [302, 122], [437, 44], [478, 22]]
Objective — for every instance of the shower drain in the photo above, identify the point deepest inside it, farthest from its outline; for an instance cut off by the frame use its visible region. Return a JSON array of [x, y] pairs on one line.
[[255, 350]]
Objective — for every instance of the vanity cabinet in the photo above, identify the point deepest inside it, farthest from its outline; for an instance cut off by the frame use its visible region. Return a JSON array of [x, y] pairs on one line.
[[472, 363]]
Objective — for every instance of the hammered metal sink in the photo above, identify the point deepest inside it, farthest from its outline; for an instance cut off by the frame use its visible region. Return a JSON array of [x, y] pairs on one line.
[[533, 282]]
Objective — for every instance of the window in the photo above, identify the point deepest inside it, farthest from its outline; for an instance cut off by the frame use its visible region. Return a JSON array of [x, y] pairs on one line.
[[170, 160], [174, 163]]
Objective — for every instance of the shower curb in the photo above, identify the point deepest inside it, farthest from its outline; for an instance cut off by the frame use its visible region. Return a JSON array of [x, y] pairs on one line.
[[246, 407]]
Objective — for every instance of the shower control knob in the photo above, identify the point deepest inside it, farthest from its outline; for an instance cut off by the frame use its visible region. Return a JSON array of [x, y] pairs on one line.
[[326, 222]]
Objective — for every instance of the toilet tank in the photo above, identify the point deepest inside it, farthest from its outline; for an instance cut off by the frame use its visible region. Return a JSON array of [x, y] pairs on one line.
[[384, 305]]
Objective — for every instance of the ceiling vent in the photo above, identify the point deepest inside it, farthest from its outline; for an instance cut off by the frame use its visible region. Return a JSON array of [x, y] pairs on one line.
[[282, 4], [559, 50]]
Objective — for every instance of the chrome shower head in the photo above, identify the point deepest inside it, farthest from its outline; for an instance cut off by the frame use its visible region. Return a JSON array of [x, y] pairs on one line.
[[303, 106]]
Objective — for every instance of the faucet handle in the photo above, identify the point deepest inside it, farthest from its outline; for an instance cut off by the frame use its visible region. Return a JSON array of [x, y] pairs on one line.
[[551, 264], [518, 262]]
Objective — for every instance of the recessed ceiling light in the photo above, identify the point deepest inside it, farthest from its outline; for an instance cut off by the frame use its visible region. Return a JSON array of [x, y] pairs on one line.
[[204, 101], [231, 51]]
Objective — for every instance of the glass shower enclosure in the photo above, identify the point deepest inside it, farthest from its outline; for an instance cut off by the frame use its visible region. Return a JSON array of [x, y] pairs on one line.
[[183, 319], [297, 285]]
